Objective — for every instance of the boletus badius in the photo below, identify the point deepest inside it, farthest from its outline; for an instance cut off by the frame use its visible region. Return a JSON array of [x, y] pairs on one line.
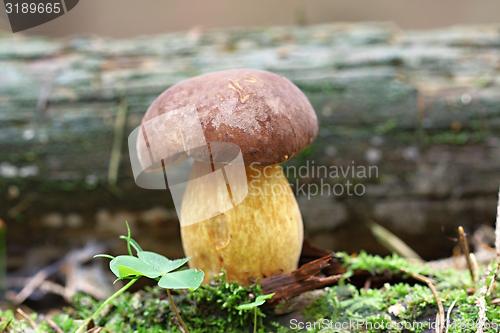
[[270, 120]]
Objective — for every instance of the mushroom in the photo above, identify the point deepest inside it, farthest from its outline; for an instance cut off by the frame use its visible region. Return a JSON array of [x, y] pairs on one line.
[[270, 120]]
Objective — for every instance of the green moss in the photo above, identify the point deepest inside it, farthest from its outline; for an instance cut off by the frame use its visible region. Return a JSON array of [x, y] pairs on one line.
[[400, 307], [386, 127], [404, 306], [210, 308], [9, 323], [455, 138], [377, 265], [394, 307]]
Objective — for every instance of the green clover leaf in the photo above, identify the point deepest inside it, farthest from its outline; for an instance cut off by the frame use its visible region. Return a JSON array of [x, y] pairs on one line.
[[160, 263], [261, 299], [186, 279], [151, 265], [129, 266]]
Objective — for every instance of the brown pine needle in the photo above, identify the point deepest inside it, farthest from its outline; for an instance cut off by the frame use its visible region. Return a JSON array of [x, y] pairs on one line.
[[448, 314], [180, 321], [464, 247], [27, 318], [54, 326], [440, 318], [393, 243]]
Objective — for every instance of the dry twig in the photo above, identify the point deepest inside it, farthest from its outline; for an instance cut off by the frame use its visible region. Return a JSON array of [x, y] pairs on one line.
[[180, 321], [27, 318], [464, 247], [440, 318], [54, 326], [448, 314], [393, 243], [40, 278], [31, 286], [46, 286]]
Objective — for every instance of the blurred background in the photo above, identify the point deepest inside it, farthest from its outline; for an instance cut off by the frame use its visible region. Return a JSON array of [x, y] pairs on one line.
[[127, 18], [416, 94]]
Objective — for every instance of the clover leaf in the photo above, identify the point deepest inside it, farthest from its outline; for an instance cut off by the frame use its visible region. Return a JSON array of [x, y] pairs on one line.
[[261, 299], [151, 265], [154, 265], [186, 279], [129, 266], [160, 263]]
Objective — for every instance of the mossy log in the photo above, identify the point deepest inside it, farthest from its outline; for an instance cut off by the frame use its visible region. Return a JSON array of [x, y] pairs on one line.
[[423, 106]]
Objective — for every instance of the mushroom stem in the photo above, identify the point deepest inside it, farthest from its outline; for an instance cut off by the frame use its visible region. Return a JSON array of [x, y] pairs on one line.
[[259, 237]]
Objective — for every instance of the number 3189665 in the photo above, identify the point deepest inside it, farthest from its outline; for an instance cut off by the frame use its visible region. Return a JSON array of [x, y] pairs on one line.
[[33, 8]]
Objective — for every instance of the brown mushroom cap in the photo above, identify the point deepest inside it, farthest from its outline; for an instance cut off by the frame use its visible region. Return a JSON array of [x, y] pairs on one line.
[[263, 113]]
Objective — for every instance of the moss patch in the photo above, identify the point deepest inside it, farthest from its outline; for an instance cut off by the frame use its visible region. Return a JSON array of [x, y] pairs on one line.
[[398, 306]]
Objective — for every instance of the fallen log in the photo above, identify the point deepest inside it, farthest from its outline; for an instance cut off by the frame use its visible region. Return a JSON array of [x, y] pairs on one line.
[[421, 106]]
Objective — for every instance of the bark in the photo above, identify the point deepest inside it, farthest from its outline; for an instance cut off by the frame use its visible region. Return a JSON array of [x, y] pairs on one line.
[[309, 276], [424, 107]]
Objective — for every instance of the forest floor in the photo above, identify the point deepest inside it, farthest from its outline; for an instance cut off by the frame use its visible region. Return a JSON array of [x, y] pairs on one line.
[[373, 294]]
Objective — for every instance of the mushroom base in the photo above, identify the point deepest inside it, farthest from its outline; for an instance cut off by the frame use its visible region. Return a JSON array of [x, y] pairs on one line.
[[260, 237]]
